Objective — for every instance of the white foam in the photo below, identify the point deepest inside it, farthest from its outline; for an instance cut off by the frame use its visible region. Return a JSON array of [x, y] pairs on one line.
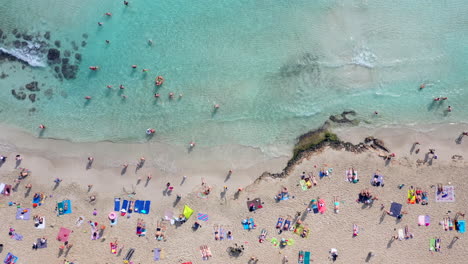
[[23, 55], [365, 58]]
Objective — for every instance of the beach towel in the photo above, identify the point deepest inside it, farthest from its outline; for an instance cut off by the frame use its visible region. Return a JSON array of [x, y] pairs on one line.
[[432, 244], [79, 221], [117, 204], [67, 204], [113, 248], [7, 190], [157, 254], [252, 224], [146, 207], [314, 206], [114, 221], [461, 225], [131, 205], [41, 226], [274, 241], [23, 214], [303, 184], [321, 206], [125, 205], [92, 234], [401, 234], [284, 196], [60, 208], [427, 220], [17, 236], [2, 187], [377, 180], [447, 195], [63, 235], [36, 199], [203, 217], [245, 224], [10, 259], [395, 209], [424, 220], [39, 244], [187, 211], [255, 202], [307, 257]]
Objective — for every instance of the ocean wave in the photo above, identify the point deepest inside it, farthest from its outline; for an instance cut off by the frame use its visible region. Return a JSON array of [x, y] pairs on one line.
[[26, 56], [365, 58]]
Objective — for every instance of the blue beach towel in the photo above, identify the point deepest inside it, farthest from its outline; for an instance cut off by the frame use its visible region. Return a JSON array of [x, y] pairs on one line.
[[36, 200], [307, 257], [245, 224], [395, 209], [252, 224], [117, 204], [146, 208], [157, 254], [203, 217], [125, 205], [10, 259], [68, 205], [21, 215]]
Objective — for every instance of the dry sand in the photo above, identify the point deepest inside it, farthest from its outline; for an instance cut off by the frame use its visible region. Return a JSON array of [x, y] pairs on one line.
[[48, 159]]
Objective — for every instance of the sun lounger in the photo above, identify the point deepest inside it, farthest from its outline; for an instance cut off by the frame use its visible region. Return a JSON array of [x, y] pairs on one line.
[[432, 243], [307, 257], [314, 206], [137, 207], [461, 225], [23, 214], [117, 204], [245, 224], [157, 254], [129, 254], [10, 259], [146, 207], [427, 220], [279, 224], [395, 209], [60, 208], [131, 205], [287, 224], [124, 205]]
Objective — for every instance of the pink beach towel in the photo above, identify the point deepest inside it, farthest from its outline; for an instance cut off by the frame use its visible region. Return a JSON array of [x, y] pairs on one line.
[[421, 221], [63, 234]]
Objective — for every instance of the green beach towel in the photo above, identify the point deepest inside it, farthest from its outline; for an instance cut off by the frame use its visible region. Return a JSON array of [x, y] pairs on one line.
[[303, 185], [274, 241], [432, 243], [290, 242]]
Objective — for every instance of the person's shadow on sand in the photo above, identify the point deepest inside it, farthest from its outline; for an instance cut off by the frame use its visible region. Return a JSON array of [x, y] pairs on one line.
[[89, 164], [56, 186], [123, 171], [452, 242], [28, 191], [18, 163], [459, 139], [176, 201]]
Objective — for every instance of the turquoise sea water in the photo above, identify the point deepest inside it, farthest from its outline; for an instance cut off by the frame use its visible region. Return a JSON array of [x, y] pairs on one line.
[[276, 68]]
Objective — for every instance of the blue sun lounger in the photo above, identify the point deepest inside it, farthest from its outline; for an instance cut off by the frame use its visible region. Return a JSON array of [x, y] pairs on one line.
[[147, 207], [307, 257], [461, 225], [125, 205], [68, 206], [245, 224], [117, 205], [138, 206]]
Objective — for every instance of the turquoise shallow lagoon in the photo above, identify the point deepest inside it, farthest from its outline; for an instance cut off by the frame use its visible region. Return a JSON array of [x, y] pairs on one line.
[[276, 68]]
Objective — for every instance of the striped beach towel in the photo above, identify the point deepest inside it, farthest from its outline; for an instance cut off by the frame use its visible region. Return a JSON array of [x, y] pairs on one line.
[[203, 217]]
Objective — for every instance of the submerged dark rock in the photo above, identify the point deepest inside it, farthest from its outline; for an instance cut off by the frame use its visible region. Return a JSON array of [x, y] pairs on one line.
[[83, 43], [14, 31], [18, 35], [53, 55], [74, 46], [85, 35], [1, 33], [57, 43], [49, 93], [3, 75], [17, 44], [69, 71], [18, 95], [47, 35], [32, 97], [57, 69], [343, 117], [27, 37], [66, 53], [78, 56], [32, 86], [24, 44]]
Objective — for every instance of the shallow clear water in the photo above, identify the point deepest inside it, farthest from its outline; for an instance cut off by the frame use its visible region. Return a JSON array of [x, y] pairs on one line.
[[277, 68]]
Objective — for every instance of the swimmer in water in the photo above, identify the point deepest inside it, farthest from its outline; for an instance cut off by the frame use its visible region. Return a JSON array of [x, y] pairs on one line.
[[124, 96], [126, 3], [150, 42], [134, 66], [444, 98], [145, 70], [192, 144], [422, 86], [41, 126], [216, 106], [99, 23], [156, 95], [171, 95], [437, 99], [109, 86], [121, 87], [108, 14], [107, 41], [88, 97], [449, 109], [376, 113]]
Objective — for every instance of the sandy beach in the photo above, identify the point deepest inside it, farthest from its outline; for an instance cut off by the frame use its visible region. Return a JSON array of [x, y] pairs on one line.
[[49, 159]]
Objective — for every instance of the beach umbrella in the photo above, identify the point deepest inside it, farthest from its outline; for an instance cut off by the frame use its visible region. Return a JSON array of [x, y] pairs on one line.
[[188, 211]]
